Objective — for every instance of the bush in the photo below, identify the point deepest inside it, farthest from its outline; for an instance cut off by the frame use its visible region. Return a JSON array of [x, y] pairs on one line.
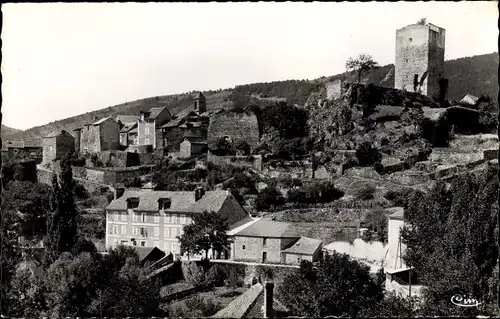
[[243, 146], [269, 198], [401, 197], [366, 192], [215, 276], [437, 133], [319, 192], [367, 155]]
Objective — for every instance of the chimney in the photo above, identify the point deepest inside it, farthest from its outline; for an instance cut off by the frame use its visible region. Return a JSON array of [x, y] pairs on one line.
[[198, 193], [268, 300], [96, 118]]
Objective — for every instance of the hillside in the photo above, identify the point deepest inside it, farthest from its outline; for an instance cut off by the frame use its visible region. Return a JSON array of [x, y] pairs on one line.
[[6, 131], [475, 75]]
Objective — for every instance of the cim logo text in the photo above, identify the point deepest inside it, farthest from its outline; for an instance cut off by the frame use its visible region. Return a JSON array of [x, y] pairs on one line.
[[462, 301]]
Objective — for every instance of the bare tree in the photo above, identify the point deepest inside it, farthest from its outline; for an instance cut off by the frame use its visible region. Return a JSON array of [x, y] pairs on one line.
[[362, 64]]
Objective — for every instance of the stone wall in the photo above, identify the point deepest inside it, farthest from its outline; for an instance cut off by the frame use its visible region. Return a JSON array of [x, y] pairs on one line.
[[119, 158], [90, 139], [109, 135], [334, 89], [251, 249], [255, 163], [174, 137], [238, 127], [146, 132]]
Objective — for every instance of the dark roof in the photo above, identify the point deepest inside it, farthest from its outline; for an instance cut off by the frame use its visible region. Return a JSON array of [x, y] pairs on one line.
[[179, 117], [128, 127], [155, 111], [268, 228], [211, 201], [304, 246], [196, 139], [145, 252], [57, 133]]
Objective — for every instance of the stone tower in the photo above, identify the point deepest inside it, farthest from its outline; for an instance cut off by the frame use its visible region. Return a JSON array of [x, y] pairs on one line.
[[200, 103], [420, 60]]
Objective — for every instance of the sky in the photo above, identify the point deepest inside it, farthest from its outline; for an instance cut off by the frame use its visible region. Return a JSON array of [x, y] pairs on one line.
[[63, 59]]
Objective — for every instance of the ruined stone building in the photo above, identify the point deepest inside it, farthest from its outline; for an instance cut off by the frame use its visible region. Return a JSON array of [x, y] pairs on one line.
[[23, 149], [56, 145], [149, 126], [235, 127], [102, 135], [191, 122], [419, 65]]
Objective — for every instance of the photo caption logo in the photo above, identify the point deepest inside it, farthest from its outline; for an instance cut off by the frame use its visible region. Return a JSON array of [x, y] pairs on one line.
[[461, 301]]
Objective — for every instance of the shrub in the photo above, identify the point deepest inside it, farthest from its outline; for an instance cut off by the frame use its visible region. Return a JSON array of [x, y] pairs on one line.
[[243, 146], [319, 192], [366, 192], [269, 198], [437, 133], [79, 190], [367, 154], [215, 276], [401, 197]]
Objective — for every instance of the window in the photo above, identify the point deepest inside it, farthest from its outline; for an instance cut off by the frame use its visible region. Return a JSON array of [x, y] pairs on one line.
[[114, 217], [144, 232], [183, 219], [410, 39], [243, 247], [115, 229], [157, 231], [164, 203], [132, 203], [166, 246], [188, 220], [110, 229], [143, 218], [143, 243], [166, 233], [174, 219], [51, 148], [136, 231], [146, 141], [156, 218], [124, 230], [174, 232], [146, 131], [167, 218], [124, 216], [264, 242]]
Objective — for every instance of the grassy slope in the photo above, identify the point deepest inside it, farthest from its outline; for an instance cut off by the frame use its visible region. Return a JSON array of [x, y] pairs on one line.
[[6, 131], [475, 75]]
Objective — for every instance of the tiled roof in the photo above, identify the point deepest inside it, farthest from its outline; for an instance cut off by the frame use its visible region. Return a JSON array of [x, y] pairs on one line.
[[144, 252], [268, 228], [102, 121], [211, 201], [396, 212], [148, 200], [155, 111], [127, 119], [305, 246], [180, 201], [196, 139], [242, 224], [14, 144], [179, 117]]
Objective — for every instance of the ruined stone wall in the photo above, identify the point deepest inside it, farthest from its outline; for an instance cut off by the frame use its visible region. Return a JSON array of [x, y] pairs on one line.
[[242, 161], [77, 136], [333, 89], [419, 51]]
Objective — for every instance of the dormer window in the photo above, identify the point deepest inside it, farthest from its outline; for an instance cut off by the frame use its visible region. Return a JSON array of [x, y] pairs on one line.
[[132, 202], [164, 203]]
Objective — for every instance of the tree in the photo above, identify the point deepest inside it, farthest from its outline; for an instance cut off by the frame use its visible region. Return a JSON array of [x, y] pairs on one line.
[[451, 242], [269, 197], [207, 231], [62, 221], [422, 21], [361, 65], [26, 295], [487, 113], [337, 287], [243, 147], [287, 120], [367, 155]]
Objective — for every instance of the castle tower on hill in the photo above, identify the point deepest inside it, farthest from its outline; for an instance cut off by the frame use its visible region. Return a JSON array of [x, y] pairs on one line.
[[419, 63]]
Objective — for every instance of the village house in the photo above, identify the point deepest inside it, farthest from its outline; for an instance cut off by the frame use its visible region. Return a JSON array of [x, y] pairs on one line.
[[190, 122], [274, 242], [234, 127], [102, 135], [148, 218], [149, 127], [24, 149], [56, 145], [192, 146], [398, 274], [128, 129]]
